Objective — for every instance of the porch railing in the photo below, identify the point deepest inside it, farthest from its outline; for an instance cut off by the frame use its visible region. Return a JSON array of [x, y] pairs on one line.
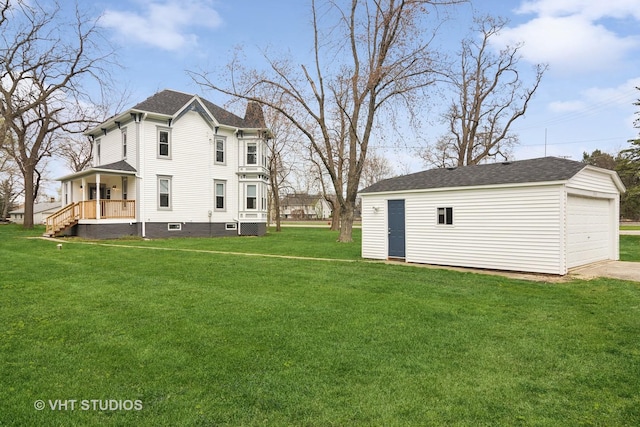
[[70, 214]]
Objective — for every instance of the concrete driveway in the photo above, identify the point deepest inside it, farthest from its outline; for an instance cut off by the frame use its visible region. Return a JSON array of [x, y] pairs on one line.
[[623, 270]]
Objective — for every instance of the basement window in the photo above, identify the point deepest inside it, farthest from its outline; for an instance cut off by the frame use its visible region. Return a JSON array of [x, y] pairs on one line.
[[174, 226], [231, 226], [445, 216]]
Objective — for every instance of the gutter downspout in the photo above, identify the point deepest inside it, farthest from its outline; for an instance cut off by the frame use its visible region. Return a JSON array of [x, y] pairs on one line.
[[140, 167]]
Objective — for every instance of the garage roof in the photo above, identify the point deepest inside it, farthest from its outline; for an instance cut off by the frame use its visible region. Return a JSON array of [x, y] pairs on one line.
[[545, 169]]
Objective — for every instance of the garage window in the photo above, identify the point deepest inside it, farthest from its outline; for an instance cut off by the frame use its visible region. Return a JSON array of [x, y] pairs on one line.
[[445, 216]]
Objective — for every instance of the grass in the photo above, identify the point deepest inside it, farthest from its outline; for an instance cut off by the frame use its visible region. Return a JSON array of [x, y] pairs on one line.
[[214, 339], [629, 248], [630, 227]]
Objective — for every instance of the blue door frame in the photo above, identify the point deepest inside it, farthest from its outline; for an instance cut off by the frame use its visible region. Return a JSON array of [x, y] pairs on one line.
[[396, 228]]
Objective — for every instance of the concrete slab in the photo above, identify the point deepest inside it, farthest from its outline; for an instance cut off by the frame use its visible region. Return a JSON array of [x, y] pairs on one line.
[[622, 270]]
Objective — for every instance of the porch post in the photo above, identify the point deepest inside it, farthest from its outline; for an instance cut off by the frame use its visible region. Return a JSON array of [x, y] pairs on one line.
[[83, 189], [98, 196]]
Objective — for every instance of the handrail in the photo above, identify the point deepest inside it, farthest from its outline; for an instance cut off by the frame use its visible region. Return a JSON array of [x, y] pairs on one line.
[[120, 209], [69, 213]]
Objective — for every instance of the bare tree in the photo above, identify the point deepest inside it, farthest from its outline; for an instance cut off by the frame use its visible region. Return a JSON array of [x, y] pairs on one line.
[[376, 168], [387, 62], [489, 97], [45, 63], [77, 151], [283, 137], [9, 185]]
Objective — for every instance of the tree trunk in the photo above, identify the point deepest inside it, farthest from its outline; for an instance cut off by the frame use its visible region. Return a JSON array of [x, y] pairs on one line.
[[346, 222], [28, 197], [335, 216], [276, 208], [6, 199]]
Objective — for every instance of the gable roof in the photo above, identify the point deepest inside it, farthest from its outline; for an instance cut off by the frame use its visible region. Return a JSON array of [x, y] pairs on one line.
[[169, 102], [39, 207], [545, 169], [300, 199]]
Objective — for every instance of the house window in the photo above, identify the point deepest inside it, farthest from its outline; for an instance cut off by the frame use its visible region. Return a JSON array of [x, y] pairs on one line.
[[219, 150], [231, 226], [251, 196], [97, 152], [164, 144], [164, 192], [174, 226], [124, 143], [445, 216], [252, 153], [220, 195], [125, 187]]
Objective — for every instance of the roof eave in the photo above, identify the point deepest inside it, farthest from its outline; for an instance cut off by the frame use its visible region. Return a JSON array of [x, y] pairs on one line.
[[93, 171], [470, 187]]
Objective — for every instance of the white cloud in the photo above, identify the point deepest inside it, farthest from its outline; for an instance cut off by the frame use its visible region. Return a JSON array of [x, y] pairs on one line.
[[570, 36], [599, 100], [169, 25], [588, 8], [566, 106]]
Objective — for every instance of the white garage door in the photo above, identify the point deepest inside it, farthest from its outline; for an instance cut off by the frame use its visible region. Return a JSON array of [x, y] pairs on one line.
[[588, 230]]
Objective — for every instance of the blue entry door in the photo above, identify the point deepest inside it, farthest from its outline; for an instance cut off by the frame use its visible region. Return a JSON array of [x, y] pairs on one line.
[[396, 228]]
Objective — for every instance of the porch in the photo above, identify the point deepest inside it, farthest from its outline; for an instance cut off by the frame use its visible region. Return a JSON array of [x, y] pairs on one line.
[[100, 209]]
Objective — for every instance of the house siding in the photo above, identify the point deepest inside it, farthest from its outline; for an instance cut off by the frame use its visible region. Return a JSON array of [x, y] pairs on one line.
[[192, 170], [515, 228], [593, 180]]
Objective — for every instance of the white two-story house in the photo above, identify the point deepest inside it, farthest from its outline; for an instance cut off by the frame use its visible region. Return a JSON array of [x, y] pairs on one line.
[[173, 165]]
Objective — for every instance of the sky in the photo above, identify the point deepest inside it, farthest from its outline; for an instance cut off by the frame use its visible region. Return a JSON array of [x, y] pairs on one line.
[[585, 100]]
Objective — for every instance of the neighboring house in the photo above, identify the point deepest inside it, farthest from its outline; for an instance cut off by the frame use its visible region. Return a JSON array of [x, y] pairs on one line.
[[40, 212], [542, 215], [173, 165], [304, 206]]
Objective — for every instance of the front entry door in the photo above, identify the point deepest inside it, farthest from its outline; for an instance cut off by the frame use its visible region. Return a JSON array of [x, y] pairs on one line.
[[396, 228]]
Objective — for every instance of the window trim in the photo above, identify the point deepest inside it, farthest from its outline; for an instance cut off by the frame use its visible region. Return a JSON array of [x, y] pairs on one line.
[[217, 182], [254, 197], [444, 218], [123, 134], [98, 151], [254, 154], [174, 226], [159, 132], [223, 151], [169, 179], [231, 226]]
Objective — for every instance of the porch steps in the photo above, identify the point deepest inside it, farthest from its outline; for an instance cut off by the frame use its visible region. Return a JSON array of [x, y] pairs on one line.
[[62, 226]]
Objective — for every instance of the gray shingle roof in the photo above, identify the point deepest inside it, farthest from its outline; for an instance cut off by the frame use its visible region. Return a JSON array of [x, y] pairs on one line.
[[518, 172], [117, 166], [169, 102]]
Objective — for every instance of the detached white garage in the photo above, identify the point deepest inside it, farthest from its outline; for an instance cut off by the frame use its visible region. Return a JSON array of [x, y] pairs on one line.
[[542, 215]]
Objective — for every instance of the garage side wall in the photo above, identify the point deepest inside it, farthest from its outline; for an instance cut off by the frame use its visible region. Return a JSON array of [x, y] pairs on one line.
[[374, 226], [502, 228], [512, 228]]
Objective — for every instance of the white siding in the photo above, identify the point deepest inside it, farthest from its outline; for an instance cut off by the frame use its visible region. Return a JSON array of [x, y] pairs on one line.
[[374, 226], [517, 228], [593, 180], [192, 170], [510, 229]]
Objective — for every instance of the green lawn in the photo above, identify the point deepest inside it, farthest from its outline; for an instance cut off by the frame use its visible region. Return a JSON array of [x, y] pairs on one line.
[[213, 339]]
